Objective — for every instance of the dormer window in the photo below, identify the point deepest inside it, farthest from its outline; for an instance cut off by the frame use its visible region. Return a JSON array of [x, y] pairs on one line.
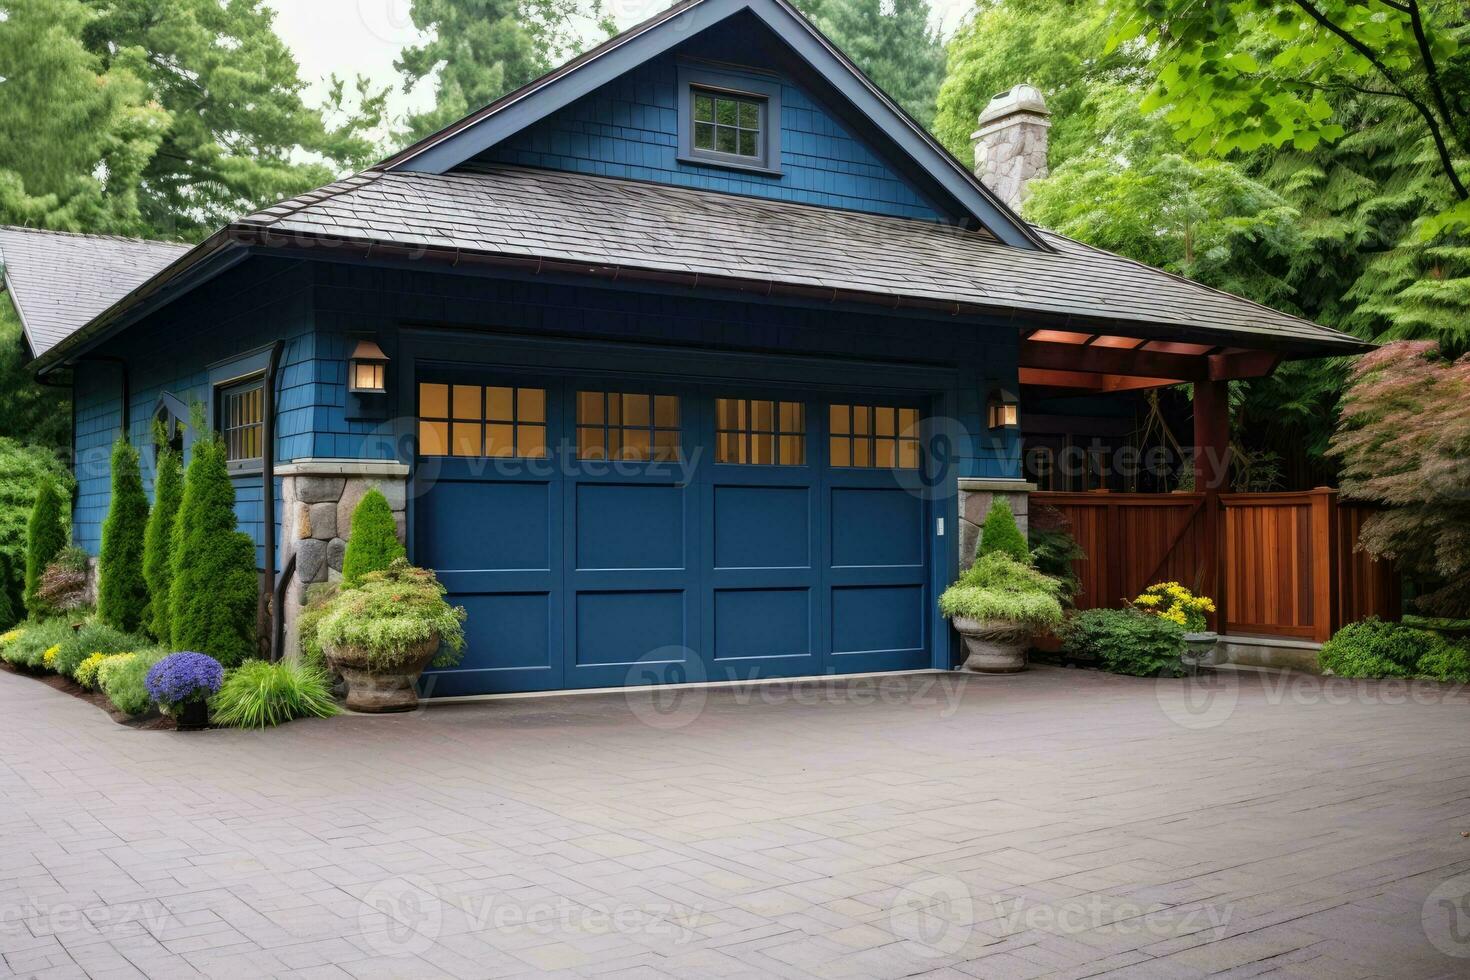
[[730, 120]]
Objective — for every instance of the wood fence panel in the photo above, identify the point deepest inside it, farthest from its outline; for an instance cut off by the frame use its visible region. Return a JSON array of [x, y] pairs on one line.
[[1289, 560]]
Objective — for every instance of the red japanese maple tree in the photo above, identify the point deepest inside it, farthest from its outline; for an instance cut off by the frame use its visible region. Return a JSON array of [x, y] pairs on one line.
[[1404, 442]]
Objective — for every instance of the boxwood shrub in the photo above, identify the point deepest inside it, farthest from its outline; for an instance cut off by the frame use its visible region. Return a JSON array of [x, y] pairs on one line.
[[1125, 641], [1374, 648]]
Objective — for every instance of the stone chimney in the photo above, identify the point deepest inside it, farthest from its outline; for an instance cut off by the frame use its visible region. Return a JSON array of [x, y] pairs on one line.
[[1010, 145]]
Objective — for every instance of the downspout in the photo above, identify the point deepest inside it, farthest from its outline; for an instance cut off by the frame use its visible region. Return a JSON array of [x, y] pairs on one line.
[[269, 615]]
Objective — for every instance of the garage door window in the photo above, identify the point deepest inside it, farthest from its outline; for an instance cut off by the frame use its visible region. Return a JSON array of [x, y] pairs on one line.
[[752, 431], [479, 420], [874, 436], [627, 426]]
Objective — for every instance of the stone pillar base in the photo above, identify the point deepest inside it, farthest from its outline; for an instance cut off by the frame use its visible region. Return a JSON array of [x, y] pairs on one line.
[[317, 500], [976, 497]]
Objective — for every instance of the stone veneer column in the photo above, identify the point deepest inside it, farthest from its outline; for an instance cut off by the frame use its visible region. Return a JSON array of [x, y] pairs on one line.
[[317, 500], [976, 496], [1011, 143]]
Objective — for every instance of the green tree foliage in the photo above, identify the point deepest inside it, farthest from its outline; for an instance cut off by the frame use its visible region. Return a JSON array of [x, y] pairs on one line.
[[168, 493], [45, 537], [373, 542], [478, 50], [1405, 443], [1001, 534], [892, 42], [215, 584], [22, 471], [37, 414], [122, 591]]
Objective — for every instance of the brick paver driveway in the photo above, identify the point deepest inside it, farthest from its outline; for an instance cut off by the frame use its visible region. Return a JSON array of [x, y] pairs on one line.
[[1057, 823]]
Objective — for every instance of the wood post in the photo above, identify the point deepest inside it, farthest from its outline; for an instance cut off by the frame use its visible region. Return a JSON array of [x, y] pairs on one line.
[[1326, 576], [1211, 469]]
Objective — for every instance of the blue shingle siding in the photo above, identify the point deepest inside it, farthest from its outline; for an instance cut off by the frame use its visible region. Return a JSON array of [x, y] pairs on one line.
[[262, 301], [629, 128]]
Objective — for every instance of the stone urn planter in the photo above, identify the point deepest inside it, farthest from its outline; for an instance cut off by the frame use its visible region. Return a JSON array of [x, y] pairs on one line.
[[373, 689], [1201, 650], [996, 646]]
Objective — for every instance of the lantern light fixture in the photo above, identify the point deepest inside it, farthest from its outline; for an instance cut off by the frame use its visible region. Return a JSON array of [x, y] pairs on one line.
[[367, 369], [1003, 410]]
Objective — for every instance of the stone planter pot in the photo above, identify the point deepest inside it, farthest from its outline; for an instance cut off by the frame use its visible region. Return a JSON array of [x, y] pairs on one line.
[[374, 690], [1201, 650], [996, 646], [193, 716]]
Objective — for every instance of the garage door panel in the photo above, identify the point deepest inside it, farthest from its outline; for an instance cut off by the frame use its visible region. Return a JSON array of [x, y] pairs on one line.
[[762, 624], [487, 526], [867, 619], [629, 526], [624, 628], [762, 527], [512, 642], [875, 527]]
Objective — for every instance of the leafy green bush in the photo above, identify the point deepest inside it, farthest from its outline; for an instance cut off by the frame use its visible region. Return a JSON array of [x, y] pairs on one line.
[[36, 638], [997, 587], [1125, 642], [257, 694], [122, 591], [23, 468], [215, 587], [87, 671], [392, 612], [45, 537], [1001, 534], [1449, 662], [1374, 648], [372, 543], [168, 494], [93, 637], [124, 680]]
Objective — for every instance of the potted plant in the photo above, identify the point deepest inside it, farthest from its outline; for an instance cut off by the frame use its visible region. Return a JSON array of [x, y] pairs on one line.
[[381, 634], [998, 605], [1174, 602], [182, 684]]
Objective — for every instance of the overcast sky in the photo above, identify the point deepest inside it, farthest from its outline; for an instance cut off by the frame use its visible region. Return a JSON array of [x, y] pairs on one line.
[[363, 37]]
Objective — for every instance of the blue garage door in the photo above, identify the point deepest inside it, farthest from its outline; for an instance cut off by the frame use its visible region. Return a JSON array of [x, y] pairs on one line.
[[601, 534]]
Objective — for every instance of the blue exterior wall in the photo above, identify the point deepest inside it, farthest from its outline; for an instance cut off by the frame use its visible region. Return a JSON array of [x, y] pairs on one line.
[[247, 308], [629, 129]]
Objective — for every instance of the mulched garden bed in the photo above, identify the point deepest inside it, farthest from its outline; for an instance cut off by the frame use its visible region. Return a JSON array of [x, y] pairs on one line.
[[149, 722]]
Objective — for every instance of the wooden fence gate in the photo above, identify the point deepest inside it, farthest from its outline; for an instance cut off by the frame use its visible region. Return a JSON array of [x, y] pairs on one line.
[[1282, 564]]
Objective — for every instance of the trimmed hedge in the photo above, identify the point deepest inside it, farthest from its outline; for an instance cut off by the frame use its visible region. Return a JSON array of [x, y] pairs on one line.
[[122, 591], [214, 588], [372, 544], [1000, 533], [168, 494]]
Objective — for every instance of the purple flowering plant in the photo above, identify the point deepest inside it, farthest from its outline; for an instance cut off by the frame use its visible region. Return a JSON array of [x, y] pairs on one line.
[[183, 677]]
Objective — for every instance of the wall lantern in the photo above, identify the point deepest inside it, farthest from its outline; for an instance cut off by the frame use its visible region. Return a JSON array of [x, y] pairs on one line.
[[367, 369], [1003, 411]]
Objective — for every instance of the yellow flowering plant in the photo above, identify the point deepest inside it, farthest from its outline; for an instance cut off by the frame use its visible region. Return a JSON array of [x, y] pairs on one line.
[[10, 636], [1172, 601], [48, 659], [87, 673]]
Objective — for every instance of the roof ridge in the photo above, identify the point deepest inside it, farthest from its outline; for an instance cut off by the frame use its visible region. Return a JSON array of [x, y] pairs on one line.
[[130, 239]]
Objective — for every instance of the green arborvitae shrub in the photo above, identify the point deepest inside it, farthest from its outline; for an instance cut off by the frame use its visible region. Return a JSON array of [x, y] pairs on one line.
[[372, 544], [45, 537], [1000, 534], [23, 468], [214, 588], [124, 680], [168, 494], [93, 637], [998, 587], [257, 694], [1374, 648], [122, 590], [1125, 642]]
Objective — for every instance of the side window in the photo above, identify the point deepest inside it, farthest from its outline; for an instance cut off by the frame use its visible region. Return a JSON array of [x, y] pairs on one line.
[[754, 431], [240, 412], [873, 436], [627, 425], [482, 420], [729, 119]]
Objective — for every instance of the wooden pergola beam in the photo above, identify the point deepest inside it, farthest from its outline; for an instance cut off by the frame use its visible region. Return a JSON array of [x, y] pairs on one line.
[[1089, 358]]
